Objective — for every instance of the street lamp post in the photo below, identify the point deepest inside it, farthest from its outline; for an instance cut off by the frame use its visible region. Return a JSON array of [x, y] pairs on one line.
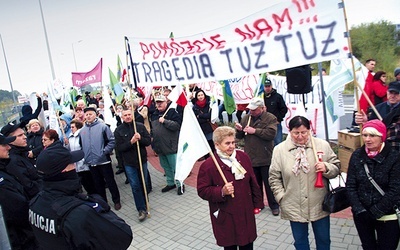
[[47, 43], [73, 53], [8, 71]]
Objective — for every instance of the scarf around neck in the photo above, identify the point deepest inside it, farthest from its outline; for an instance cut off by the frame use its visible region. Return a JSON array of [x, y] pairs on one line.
[[300, 160], [201, 104], [372, 154], [237, 169]]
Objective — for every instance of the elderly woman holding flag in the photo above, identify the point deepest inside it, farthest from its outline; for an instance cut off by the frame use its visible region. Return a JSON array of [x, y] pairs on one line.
[[227, 181]]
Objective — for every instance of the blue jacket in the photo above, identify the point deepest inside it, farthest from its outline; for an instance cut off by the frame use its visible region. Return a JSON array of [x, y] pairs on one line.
[[97, 142], [67, 129]]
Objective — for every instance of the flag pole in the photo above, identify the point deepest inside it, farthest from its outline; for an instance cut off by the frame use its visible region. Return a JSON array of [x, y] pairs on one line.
[[127, 62], [354, 72], [60, 125], [140, 163], [255, 95], [313, 146], [219, 169], [248, 123], [169, 107], [165, 113], [127, 49], [216, 163]]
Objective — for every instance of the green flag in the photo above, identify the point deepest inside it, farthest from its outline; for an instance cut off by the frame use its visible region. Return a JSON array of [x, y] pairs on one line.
[[259, 91], [116, 87], [229, 102], [73, 93]]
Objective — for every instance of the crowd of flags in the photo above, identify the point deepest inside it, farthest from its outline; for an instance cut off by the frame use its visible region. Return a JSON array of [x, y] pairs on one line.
[[192, 143]]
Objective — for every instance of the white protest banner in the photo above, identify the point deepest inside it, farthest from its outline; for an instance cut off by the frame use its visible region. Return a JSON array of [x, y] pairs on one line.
[[314, 106], [243, 89], [285, 35]]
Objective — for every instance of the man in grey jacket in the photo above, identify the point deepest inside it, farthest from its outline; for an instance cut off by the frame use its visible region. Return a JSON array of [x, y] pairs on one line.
[[97, 143]]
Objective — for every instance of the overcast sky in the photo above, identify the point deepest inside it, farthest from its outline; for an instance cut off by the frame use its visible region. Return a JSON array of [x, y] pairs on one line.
[[96, 28]]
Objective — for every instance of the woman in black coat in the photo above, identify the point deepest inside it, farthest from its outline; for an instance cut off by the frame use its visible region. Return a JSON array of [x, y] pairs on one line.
[[202, 111], [34, 139], [374, 214]]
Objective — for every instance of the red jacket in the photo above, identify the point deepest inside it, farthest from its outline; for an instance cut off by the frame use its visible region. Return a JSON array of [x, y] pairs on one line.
[[378, 91], [364, 105], [235, 223]]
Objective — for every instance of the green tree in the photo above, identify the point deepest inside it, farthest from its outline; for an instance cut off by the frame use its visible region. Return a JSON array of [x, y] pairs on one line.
[[6, 96], [378, 41]]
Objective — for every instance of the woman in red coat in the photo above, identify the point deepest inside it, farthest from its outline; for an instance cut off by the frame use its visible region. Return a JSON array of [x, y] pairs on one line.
[[379, 88], [232, 204]]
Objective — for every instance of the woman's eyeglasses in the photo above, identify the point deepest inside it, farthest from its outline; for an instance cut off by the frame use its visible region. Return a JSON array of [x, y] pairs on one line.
[[297, 133]]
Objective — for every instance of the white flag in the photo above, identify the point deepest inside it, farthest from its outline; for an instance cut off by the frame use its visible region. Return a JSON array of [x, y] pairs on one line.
[[191, 146], [108, 117], [341, 73], [214, 108]]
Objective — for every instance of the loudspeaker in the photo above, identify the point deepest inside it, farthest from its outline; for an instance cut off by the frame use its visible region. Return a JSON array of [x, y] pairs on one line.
[[299, 80]]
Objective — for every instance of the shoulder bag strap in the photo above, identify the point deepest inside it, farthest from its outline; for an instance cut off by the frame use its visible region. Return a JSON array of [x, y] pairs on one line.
[[341, 179], [373, 181], [395, 207]]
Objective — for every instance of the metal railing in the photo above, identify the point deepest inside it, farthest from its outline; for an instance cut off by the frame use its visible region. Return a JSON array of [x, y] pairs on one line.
[[8, 116]]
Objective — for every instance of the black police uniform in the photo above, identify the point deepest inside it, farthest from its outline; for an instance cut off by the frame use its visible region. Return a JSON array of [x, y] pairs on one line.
[[15, 204], [22, 168], [61, 218]]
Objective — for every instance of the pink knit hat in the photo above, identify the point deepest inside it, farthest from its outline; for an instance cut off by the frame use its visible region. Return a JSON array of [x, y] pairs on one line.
[[378, 125]]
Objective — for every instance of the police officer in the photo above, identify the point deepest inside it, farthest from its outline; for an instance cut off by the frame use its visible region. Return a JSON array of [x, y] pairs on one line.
[[61, 218], [14, 203], [20, 165]]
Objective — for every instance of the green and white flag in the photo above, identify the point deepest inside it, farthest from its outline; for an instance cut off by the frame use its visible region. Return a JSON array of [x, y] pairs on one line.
[[192, 145]]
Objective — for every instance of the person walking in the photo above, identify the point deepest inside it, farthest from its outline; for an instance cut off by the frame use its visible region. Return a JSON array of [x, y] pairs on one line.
[[166, 123], [98, 142], [126, 138]]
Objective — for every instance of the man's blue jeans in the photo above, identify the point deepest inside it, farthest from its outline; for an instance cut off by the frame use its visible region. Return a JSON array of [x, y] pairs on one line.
[[134, 178], [321, 229]]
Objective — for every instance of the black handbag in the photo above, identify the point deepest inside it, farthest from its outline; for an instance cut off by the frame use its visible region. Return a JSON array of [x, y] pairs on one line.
[[336, 199]]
